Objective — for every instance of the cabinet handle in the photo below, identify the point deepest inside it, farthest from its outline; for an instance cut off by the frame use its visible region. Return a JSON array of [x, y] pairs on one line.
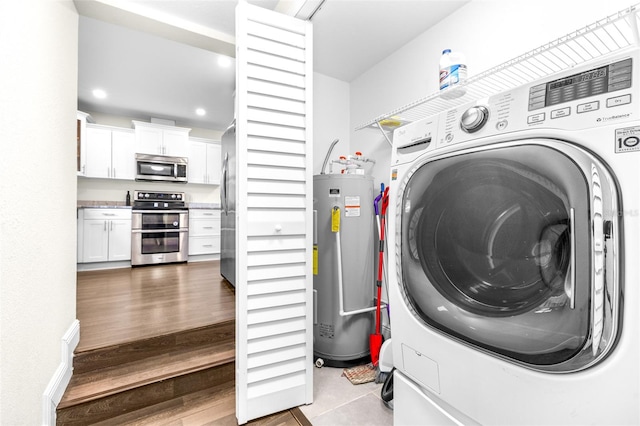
[[105, 226], [207, 245], [108, 171], [114, 172], [111, 228], [207, 227]]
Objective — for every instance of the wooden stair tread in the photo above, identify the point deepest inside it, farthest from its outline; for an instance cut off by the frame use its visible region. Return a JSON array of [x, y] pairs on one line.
[[213, 406], [126, 352], [96, 384], [203, 407]]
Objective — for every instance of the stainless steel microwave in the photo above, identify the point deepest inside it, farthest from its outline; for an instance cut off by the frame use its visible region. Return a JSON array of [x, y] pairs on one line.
[[161, 168]]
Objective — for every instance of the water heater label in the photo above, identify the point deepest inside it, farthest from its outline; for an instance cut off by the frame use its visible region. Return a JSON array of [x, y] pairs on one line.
[[352, 206]]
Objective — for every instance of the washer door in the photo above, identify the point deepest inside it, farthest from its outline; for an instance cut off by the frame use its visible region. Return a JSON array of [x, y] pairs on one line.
[[504, 249]]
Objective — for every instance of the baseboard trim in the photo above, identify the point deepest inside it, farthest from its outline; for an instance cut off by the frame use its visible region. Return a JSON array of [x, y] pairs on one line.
[[58, 383]]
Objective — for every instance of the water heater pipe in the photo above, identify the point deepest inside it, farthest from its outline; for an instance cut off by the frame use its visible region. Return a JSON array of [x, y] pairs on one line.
[[344, 313], [326, 159]]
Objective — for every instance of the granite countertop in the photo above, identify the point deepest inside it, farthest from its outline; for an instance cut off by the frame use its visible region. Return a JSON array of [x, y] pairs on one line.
[[203, 206], [85, 204]]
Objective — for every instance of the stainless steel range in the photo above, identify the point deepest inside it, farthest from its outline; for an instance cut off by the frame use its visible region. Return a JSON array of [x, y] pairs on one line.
[[159, 227]]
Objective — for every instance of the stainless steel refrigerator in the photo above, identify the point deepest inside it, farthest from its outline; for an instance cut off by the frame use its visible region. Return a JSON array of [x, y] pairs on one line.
[[228, 204]]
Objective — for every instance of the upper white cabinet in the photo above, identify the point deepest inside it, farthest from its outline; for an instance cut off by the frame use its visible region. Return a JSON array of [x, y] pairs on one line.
[[110, 152], [81, 140], [204, 161], [158, 139]]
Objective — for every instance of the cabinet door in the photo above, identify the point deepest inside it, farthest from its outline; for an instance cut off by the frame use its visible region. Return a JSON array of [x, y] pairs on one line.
[[119, 239], [123, 152], [98, 149], [95, 240], [214, 164], [197, 168], [81, 141], [148, 140], [176, 143]]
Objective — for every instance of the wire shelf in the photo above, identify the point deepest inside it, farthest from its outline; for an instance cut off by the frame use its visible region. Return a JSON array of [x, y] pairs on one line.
[[608, 35]]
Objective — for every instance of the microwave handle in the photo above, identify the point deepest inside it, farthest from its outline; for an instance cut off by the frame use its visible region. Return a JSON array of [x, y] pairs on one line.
[[175, 170]]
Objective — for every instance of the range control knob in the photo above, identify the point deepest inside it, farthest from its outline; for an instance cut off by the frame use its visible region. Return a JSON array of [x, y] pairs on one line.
[[474, 118]]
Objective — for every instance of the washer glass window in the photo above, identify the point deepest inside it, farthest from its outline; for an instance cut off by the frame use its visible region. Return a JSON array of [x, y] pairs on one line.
[[487, 243]]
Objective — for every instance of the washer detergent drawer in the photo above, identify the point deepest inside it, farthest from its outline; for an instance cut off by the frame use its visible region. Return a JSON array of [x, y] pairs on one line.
[[414, 406], [422, 368]]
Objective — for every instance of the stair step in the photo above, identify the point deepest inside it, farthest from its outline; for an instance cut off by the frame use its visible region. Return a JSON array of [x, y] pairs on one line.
[[124, 378], [159, 394], [141, 349], [214, 405]]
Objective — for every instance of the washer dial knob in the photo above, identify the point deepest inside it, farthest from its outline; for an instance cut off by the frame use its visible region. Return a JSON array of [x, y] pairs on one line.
[[474, 118]]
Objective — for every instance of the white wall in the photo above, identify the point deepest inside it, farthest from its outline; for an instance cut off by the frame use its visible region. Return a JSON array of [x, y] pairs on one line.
[[488, 32], [38, 47], [330, 119]]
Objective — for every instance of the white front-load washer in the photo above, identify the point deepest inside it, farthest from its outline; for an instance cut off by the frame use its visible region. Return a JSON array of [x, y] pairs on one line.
[[514, 255]]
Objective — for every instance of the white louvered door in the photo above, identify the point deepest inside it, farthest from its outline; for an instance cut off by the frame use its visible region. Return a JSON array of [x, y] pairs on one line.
[[274, 309]]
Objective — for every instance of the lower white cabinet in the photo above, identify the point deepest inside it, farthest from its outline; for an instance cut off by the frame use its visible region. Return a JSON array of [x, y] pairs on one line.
[[204, 231], [104, 235]]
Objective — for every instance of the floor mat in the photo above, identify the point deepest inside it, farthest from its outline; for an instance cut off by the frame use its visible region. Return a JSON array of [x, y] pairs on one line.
[[360, 374]]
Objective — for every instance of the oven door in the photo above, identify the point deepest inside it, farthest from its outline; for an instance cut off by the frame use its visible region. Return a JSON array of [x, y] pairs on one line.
[[510, 249], [154, 247], [159, 236]]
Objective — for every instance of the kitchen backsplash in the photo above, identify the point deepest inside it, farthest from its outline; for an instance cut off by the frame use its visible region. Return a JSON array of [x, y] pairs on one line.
[[116, 190]]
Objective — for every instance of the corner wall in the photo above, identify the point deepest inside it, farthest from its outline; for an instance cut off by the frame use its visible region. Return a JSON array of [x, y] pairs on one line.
[[38, 46]]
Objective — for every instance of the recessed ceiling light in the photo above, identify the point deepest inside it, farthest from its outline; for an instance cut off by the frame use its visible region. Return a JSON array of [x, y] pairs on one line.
[[201, 112], [224, 61], [99, 93]]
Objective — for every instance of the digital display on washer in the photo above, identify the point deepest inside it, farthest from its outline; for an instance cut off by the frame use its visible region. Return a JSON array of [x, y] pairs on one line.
[[609, 78]]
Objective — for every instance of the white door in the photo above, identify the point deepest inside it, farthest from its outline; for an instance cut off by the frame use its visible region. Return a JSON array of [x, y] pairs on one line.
[[123, 154], [98, 149], [274, 324], [197, 162]]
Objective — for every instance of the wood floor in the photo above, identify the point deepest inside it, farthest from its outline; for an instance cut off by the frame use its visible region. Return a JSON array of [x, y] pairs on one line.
[[127, 304], [156, 347]]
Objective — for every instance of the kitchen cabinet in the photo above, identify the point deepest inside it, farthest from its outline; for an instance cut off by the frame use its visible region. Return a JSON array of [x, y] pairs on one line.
[[158, 139], [204, 161], [110, 153], [81, 140], [104, 235], [204, 231]]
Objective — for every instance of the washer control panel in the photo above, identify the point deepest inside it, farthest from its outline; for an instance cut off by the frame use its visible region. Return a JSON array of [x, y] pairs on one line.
[[596, 94], [605, 79]]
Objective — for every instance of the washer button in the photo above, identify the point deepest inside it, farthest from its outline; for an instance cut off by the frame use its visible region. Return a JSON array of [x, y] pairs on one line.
[[561, 112], [618, 100], [589, 106], [502, 124], [536, 118]]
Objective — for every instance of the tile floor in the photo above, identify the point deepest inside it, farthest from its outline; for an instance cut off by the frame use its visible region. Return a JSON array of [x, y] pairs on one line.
[[337, 402]]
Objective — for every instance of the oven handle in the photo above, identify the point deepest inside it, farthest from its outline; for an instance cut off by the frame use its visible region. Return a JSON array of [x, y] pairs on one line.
[[158, 231], [159, 211]]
